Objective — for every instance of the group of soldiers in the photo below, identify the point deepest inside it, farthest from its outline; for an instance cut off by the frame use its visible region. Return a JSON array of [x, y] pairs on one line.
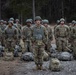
[[37, 37]]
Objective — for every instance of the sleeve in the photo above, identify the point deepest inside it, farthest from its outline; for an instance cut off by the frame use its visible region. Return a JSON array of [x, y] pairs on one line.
[[16, 34], [50, 34], [56, 32], [45, 40], [32, 38], [23, 33]]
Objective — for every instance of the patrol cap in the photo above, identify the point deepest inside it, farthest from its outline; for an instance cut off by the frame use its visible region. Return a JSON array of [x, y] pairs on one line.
[[29, 21], [11, 19], [45, 21], [62, 19], [38, 18]]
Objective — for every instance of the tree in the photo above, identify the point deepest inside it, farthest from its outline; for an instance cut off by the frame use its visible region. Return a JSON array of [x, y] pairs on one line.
[[49, 9], [0, 9]]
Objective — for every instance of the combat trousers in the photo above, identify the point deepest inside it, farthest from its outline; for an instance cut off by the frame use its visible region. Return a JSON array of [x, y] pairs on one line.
[[10, 45], [56, 44], [38, 54], [74, 47], [27, 46], [48, 46], [62, 44]]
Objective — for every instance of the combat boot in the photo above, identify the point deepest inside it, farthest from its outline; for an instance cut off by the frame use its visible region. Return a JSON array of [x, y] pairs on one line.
[[40, 67], [37, 67]]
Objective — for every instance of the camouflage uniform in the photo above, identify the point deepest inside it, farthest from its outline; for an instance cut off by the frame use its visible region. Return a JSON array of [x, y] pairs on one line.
[[62, 34], [39, 37], [0, 35], [73, 36], [26, 36], [10, 37], [58, 22], [2, 26], [50, 36], [70, 38], [18, 27]]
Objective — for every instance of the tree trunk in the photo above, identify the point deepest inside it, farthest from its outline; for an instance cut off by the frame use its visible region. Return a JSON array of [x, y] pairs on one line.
[[0, 9], [33, 9]]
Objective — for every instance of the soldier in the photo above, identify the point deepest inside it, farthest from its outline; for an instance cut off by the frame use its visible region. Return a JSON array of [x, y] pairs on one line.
[[2, 26], [11, 19], [0, 35], [18, 26], [10, 36], [26, 36], [72, 24], [58, 22], [50, 36], [73, 36], [5, 23], [70, 38], [62, 35], [39, 37]]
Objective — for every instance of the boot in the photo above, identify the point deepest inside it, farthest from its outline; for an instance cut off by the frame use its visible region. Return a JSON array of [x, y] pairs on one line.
[[40, 67], [37, 67]]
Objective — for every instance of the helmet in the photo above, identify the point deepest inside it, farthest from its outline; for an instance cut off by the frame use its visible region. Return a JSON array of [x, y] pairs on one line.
[[2, 21], [45, 21], [62, 19], [73, 21], [17, 20], [58, 21], [11, 19], [38, 18], [29, 20], [5, 22]]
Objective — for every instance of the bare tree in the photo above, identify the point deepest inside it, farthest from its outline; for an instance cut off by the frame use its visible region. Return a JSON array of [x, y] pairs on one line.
[[33, 9], [0, 9]]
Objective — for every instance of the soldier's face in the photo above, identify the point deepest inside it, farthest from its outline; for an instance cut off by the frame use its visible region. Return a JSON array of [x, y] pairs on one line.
[[62, 22], [28, 24], [10, 25], [45, 25], [17, 22], [38, 22], [1, 23]]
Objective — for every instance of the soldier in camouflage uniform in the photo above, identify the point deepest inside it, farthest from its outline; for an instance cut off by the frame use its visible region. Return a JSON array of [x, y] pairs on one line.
[[73, 36], [58, 22], [10, 36], [62, 35], [0, 35], [18, 26], [50, 36], [2, 26], [11, 19], [39, 37], [5, 23], [26, 36], [70, 39]]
